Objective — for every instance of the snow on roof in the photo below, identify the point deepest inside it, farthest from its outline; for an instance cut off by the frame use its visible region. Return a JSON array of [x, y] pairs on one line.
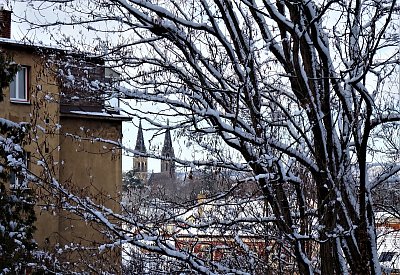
[[29, 44], [210, 218], [389, 249], [382, 216], [100, 114]]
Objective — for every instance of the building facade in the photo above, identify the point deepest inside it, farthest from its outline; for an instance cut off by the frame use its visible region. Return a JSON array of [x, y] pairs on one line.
[[70, 135]]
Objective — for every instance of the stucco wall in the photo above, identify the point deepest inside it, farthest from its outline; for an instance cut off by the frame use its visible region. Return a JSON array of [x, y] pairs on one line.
[[85, 167], [89, 168], [42, 111]]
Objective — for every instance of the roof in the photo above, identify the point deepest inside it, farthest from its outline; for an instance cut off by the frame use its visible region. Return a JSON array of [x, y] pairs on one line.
[[96, 115], [162, 178], [32, 46], [27, 44]]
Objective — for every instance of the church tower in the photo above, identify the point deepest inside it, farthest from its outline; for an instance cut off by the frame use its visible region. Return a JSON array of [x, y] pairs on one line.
[[168, 164], [140, 162]]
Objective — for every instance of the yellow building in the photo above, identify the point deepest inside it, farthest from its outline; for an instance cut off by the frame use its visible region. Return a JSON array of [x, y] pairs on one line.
[[69, 139]]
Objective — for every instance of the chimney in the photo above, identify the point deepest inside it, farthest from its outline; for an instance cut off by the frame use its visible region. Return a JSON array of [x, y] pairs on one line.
[[5, 23]]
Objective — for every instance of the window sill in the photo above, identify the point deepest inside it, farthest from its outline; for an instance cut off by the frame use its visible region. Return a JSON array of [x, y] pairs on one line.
[[14, 101]]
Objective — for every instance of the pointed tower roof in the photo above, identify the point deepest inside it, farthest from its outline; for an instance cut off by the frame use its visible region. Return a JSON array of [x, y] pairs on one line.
[[140, 140], [167, 147]]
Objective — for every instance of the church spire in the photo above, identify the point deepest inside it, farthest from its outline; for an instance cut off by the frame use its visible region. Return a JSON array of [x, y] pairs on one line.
[[167, 164], [140, 162], [140, 147], [167, 150]]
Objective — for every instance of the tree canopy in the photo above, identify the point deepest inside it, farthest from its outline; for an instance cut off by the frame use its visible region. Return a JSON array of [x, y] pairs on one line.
[[303, 94]]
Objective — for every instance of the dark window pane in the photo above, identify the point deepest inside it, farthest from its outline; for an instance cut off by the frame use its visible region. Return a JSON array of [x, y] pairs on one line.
[[13, 179], [386, 256], [22, 84], [13, 87]]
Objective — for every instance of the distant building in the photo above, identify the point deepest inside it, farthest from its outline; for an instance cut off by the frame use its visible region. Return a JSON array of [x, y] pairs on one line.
[[168, 173], [166, 180], [169, 184]]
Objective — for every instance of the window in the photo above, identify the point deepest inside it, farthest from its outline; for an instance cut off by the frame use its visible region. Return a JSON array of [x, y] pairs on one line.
[[19, 86], [386, 256]]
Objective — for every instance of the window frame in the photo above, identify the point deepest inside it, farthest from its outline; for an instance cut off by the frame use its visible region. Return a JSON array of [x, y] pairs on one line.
[[16, 98], [386, 256]]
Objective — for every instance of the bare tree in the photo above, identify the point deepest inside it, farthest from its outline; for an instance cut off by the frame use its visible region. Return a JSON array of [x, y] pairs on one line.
[[300, 94]]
